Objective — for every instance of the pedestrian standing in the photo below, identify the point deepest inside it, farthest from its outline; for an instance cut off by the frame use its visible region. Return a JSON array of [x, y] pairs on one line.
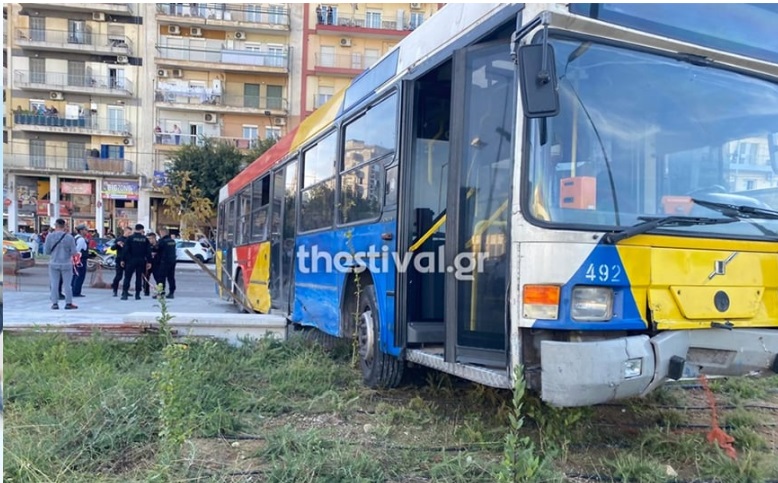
[[136, 261], [330, 16], [120, 252], [34, 244], [79, 263], [61, 246], [167, 263]]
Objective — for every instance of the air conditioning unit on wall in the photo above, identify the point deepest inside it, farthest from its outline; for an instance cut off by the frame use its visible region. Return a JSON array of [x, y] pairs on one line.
[[196, 32], [174, 29], [162, 73], [177, 73], [122, 59], [416, 6], [56, 96], [240, 35], [128, 142], [345, 42], [98, 16], [279, 121], [211, 118]]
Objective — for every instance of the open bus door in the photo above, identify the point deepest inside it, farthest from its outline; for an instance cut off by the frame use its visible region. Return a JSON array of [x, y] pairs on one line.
[[457, 205], [478, 211]]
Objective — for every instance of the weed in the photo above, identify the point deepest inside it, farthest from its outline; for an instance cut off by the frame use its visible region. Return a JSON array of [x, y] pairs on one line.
[[555, 425], [749, 467], [520, 463], [742, 388], [631, 468]]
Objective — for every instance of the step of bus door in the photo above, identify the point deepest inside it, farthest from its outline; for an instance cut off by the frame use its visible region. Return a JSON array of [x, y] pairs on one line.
[[426, 332]]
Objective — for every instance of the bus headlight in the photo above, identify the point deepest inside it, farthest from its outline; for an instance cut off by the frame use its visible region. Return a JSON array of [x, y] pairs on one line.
[[592, 304]]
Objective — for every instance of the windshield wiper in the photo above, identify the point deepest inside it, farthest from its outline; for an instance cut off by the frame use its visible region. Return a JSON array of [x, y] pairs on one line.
[[650, 223], [743, 212], [738, 211]]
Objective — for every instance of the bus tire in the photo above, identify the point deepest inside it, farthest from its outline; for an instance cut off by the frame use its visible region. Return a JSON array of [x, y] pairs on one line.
[[379, 370]]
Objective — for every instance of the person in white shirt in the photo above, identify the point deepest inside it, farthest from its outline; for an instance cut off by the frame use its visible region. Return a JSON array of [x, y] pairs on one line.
[[80, 267]]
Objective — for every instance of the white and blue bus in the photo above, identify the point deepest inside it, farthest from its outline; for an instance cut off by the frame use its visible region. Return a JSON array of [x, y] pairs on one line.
[[570, 189]]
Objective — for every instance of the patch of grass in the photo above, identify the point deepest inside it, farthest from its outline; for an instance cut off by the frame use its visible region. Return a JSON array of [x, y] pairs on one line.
[[664, 444], [633, 468], [749, 467], [744, 388]]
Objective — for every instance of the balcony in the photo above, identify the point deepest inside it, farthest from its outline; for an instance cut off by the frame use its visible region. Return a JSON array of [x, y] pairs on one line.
[[114, 8], [86, 164], [227, 60], [207, 100], [225, 16], [342, 64], [80, 125], [167, 140], [79, 42], [376, 26], [79, 84]]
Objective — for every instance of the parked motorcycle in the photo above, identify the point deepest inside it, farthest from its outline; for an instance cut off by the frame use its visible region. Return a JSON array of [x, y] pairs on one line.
[[96, 258]]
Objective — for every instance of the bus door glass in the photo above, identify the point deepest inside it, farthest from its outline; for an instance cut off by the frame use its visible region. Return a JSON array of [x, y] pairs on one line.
[[287, 237], [477, 264]]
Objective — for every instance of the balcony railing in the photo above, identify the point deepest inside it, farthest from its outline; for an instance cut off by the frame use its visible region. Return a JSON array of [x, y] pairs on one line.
[[227, 12], [63, 39], [116, 127], [380, 22], [227, 56], [207, 97], [117, 8], [60, 81], [354, 61], [173, 139], [77, 164]]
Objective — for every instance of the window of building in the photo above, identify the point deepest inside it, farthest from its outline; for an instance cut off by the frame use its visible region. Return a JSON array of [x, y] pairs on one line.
[[37, 70], [750, 184], [318, 194], [373, 19], [276, 55], [37, 105], [76, 73], [77, 156], [327, 56], [77, 33], [275, 97], [253, 46], [417, 18], [356, 61], [116, 119], [37, 153], [272, 132], [368, 140], [260, 201], [276, 14], [38, 29], [250, 132], [251, 95], [252, 13], [371, 57], [324, 95]]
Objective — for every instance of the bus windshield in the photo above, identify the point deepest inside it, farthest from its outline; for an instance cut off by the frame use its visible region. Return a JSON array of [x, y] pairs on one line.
[[639, 135]]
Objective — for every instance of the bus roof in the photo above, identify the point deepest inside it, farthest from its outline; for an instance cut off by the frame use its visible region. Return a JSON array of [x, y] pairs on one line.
[[453, 21]]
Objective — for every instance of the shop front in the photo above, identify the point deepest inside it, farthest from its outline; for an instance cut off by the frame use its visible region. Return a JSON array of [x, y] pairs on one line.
[[120, 204]]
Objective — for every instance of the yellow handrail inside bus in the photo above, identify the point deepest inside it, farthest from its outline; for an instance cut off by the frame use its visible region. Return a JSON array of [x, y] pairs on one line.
[[428, 234]]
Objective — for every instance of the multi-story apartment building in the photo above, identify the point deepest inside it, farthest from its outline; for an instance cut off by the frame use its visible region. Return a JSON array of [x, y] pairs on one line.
[[340, 40], [100, 95], [222, 71], [73, 106]]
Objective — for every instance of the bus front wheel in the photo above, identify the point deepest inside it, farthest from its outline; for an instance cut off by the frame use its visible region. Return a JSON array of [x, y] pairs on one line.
[[378, 368]]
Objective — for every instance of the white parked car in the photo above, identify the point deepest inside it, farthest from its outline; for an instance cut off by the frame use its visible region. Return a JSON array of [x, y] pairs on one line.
[[200, 251]]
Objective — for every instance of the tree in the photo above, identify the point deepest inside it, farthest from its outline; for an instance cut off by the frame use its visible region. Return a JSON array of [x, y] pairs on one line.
[[210, 164], [187, 203]]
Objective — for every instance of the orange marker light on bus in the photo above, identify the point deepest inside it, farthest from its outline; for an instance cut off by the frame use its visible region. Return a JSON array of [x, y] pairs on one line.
[[541, 302]]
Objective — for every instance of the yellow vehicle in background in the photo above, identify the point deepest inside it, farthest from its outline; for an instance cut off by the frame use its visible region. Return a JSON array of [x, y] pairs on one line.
[[16, 253]]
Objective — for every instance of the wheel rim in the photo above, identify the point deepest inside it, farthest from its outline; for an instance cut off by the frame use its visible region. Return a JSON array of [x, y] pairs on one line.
[[366, 336]]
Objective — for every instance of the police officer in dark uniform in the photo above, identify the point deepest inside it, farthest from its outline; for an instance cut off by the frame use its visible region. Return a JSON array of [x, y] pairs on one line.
[[120, 244], [137, 259], [154, 270], [167, 263]]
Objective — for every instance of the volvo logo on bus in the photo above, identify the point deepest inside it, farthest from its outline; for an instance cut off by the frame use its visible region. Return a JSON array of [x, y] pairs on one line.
[[720, 266]]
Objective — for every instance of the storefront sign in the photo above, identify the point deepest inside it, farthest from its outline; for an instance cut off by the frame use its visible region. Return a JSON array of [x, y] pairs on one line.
[[71, 188], [120, 189], [27, 195], [43, 208], [160, 179]]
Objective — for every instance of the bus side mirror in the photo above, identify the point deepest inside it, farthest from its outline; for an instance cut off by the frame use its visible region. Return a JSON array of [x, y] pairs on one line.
[[772, 145], [537, 76]]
